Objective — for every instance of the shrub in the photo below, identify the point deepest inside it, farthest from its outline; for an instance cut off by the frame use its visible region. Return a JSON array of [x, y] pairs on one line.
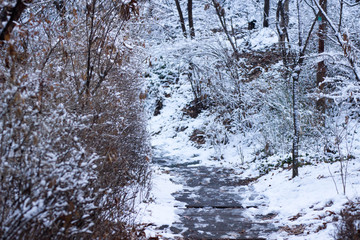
[[349, 226], [73, 142]]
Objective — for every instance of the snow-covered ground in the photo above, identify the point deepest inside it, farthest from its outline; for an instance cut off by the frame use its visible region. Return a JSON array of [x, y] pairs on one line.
[[161, 209], [305, 206], [312, 200]]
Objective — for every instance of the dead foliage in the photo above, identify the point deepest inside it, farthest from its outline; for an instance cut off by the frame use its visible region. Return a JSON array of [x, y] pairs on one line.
[[194, 108], [349, 226], [198, 137], [258, 62], [293, 218], [293, 230]]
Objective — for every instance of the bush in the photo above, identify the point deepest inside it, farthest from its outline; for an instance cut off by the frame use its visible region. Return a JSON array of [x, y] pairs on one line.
[[349, 226], [73, 142]]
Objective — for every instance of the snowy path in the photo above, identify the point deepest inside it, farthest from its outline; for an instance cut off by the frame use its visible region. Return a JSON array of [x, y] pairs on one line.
[[213, 202]]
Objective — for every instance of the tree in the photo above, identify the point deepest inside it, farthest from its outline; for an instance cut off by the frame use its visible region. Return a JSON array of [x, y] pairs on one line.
[[190, 18], [266, 13], [181, 16], [282, 23], [321, 68], [282, 19], [343, 41], [294, 63]]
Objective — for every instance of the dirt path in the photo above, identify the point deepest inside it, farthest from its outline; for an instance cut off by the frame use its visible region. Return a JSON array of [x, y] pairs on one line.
[[213, 203]]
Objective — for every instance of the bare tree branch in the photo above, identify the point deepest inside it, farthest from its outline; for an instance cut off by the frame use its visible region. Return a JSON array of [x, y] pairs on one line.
[[344, 44], [14, 17]]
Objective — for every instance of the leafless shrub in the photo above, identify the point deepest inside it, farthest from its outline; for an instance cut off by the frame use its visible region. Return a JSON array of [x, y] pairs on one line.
[[349, 226], [73, 142]]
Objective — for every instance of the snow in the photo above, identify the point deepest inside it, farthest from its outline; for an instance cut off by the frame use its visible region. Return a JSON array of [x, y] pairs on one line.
[[312, 199], [161, 209], [264, 38], [313, 194]]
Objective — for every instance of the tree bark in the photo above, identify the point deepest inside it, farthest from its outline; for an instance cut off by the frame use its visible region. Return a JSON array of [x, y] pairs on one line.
[[282, 23], [191, 20], [266, 13], [14, 17], [343, 44], [295, 150], [181, 16], [321, 68], [89, 66], [282, 18]]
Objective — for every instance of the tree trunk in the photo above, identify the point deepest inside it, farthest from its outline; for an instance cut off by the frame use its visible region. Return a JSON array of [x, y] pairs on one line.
[[282, 18], [295, 78], [266, 13], [282, 23], [295, 150], [191, 21], [181, 16], [321, 68], [342, 42], [14, 16]]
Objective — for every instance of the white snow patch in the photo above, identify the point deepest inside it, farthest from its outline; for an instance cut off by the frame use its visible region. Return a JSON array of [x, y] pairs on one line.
[[313, 196], [264, 38], [161, 210]]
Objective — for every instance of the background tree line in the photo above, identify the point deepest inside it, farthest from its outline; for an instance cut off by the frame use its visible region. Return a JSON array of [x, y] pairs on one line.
[[300, 93]]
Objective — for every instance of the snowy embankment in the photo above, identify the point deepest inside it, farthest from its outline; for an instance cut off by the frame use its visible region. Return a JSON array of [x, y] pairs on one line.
[[305, 207]]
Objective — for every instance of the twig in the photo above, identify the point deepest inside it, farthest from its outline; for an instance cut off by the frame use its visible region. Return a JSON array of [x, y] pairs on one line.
[[332, 177]]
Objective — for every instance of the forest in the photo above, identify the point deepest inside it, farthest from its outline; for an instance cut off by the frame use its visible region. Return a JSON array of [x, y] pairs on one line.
[[95, 92]]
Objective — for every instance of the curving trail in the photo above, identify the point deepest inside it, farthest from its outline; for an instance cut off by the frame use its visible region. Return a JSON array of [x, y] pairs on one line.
[[215, 203]]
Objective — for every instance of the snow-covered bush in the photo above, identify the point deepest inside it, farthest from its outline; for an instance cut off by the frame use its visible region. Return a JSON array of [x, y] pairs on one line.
[[249, 91], [349, 226], [73, 149]]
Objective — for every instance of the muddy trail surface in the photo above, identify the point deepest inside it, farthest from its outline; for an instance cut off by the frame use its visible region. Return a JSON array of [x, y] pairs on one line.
[[214, 203]]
